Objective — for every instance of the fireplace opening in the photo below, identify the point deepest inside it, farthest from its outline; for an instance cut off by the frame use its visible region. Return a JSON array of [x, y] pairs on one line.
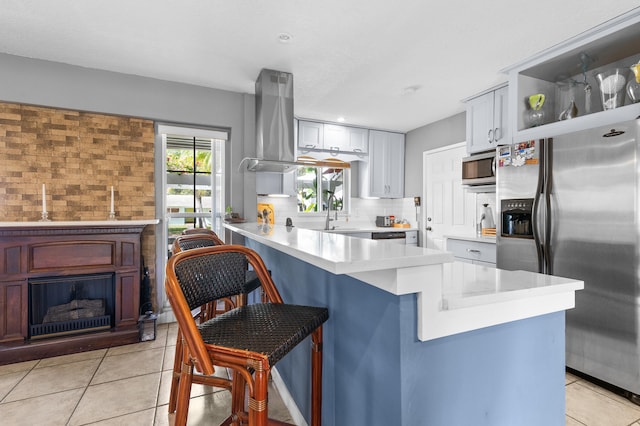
[[70, 305]]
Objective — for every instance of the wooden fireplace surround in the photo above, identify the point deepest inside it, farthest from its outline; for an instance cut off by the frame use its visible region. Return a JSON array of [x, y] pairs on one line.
[[56, 249]]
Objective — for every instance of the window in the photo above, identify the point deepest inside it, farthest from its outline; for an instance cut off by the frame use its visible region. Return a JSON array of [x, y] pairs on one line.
[[315, 185], [194, 183], [193, 179]]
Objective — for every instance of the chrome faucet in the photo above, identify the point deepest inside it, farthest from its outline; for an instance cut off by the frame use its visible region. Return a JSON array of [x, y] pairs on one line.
[[332, 198]]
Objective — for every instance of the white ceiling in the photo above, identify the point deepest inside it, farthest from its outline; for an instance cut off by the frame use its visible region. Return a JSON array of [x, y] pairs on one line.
[[351, 58]]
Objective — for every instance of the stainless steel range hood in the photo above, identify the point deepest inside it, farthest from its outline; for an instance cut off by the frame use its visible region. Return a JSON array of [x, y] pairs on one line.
[[275, 144], [275, 150]]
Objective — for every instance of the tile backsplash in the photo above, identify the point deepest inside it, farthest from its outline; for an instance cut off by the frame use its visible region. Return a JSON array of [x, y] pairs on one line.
[[363, 211]]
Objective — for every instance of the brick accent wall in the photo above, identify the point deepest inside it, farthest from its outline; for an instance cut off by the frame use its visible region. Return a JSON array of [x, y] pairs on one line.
[[78, 156]]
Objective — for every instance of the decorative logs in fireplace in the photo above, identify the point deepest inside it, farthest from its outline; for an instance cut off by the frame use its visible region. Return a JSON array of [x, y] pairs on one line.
[[70, 305], [90, 270]]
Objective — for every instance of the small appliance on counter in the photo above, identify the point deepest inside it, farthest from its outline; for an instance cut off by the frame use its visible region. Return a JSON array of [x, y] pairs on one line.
[[487, 224], [384, 221]]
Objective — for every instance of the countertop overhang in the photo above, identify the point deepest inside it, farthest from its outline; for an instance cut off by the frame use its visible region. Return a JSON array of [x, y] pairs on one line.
[[452, 297], [337, 253]]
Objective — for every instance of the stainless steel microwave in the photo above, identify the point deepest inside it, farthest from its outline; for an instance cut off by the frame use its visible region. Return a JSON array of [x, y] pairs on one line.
[[479, 169]]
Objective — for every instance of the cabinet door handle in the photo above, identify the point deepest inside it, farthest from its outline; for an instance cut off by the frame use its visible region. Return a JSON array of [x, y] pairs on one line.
[[490, 135], [473, 251], [359, 153], [497, 134], [334, 150]]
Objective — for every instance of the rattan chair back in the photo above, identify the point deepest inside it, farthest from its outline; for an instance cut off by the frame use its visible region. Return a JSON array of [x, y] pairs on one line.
[[190, 231], [207, 278], [192, 241]]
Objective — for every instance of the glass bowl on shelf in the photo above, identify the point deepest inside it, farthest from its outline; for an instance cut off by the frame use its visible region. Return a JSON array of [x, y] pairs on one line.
[[535, 114]]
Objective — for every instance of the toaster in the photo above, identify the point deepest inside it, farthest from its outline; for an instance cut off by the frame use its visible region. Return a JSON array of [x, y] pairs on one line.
[[383, 221]]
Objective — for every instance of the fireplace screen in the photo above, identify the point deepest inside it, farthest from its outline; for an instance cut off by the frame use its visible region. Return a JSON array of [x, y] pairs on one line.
[[70, 305]]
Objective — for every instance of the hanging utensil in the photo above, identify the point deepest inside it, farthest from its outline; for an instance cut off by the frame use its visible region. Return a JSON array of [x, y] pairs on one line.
[[585, 61]]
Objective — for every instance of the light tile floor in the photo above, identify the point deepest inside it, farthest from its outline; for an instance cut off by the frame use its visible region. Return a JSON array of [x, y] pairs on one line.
[[125, 385], [129, 385], [591, 405]]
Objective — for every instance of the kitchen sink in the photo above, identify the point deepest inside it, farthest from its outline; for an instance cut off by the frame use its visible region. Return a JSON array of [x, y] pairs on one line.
[[337, 229]]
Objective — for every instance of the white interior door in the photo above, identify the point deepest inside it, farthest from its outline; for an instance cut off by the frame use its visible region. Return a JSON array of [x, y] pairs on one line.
[[449, 209]]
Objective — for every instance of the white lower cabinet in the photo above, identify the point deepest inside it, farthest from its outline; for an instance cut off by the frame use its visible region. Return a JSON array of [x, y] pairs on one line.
[[412, 238], [472, 251]]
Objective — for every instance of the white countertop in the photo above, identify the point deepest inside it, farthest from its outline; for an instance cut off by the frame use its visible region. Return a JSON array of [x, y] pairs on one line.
[[78, 223], [472, 297], [481, 239], [340, 254], [452, 297]]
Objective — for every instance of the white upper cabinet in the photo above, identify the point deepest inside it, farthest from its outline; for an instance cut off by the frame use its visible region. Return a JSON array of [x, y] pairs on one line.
[[487, 118], [313, 136], [358, 140], [382, 175], [310, 135], [335, 137]]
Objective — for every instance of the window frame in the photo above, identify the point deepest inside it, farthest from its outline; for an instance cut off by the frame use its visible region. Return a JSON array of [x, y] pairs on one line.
[[346, 199]]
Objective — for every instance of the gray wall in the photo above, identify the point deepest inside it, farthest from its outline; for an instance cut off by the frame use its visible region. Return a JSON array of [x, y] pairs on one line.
[[435, 135], [52, 84]]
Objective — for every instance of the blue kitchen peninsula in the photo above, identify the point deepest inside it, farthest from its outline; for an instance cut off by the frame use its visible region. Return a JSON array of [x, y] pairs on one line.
[[416, 339]]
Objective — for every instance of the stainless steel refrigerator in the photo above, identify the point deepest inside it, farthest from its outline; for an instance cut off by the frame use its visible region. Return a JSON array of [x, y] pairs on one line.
[[569, 206]]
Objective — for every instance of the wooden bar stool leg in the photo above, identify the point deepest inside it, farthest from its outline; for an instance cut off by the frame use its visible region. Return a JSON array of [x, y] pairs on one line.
[[238, 385], [316, 377], [184, 392], [175, 375], [258, 410]]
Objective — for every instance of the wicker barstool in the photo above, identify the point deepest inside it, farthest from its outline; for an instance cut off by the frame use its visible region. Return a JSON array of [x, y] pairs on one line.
[[209, 310], [250, 339]]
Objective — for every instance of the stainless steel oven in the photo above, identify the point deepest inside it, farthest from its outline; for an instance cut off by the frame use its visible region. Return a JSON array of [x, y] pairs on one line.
[[479, 169]]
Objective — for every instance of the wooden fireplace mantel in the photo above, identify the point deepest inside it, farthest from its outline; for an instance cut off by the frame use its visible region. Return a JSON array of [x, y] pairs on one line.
[[56, 249]]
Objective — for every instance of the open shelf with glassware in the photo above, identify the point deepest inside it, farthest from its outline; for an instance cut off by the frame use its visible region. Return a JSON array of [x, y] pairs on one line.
[[587, 81]]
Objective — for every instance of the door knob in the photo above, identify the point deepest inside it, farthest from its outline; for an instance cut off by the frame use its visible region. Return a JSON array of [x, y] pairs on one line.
[[428, 228]]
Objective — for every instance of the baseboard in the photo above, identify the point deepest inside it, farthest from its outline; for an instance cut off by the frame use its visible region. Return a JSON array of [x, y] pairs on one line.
[[296, 415]]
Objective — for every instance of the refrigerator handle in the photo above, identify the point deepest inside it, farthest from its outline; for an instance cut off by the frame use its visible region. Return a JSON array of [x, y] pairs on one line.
[[548, 258], [540, 250]]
